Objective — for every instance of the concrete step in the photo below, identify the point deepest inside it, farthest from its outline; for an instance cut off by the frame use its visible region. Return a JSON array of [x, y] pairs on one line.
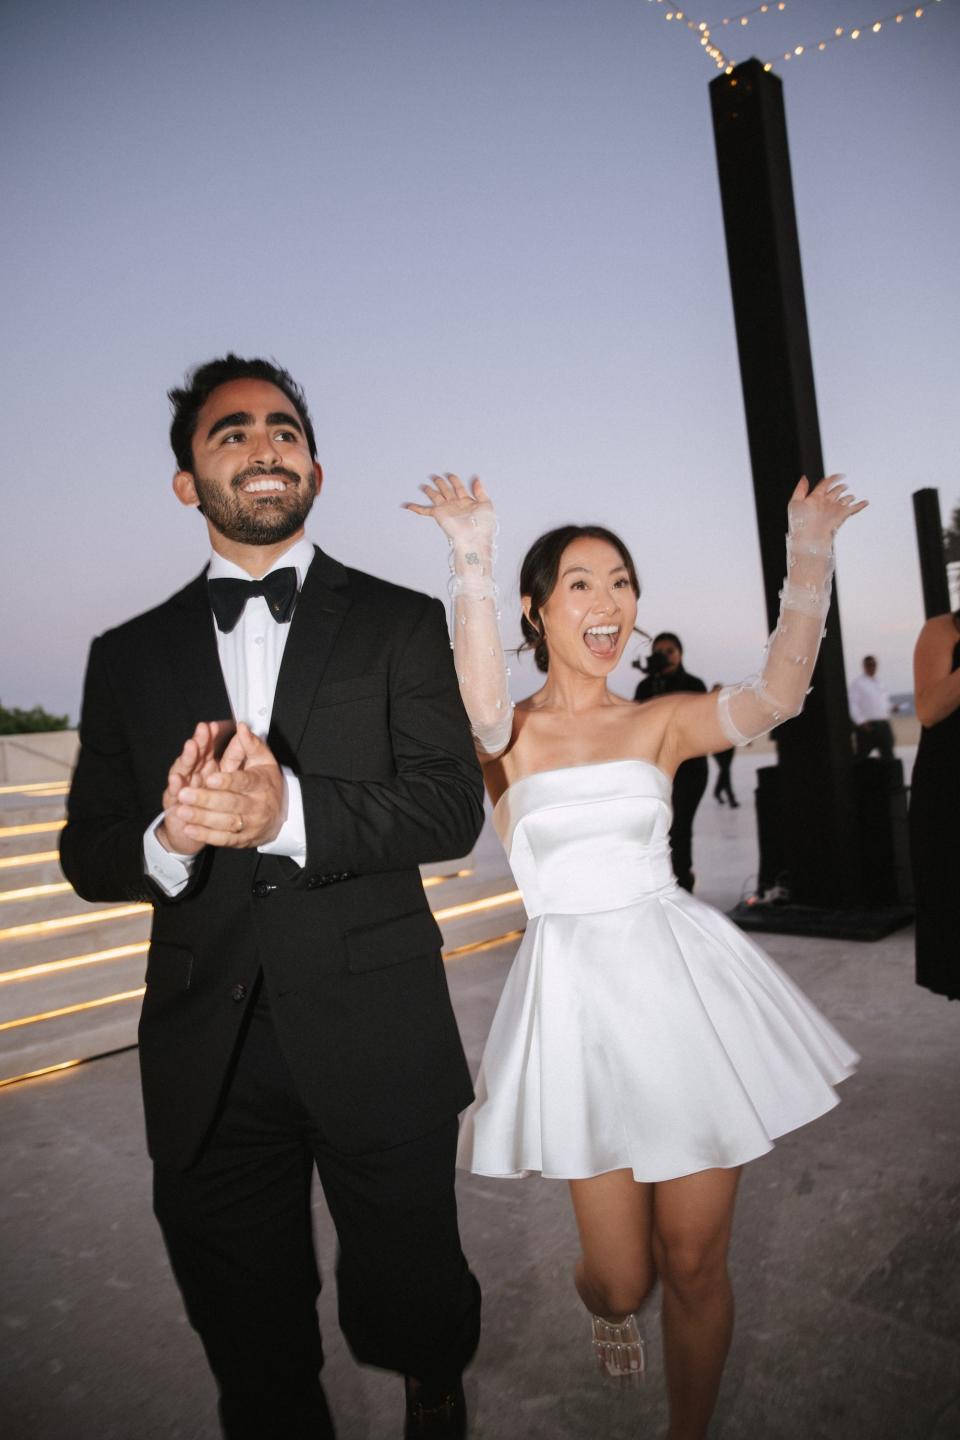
[[40, 866], [23, 836], [19, 809], [65, 1042], [100, 973], [32, 905], [42, 946], [38, 793]]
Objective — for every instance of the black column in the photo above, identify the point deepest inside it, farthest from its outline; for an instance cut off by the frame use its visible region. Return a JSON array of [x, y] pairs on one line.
[[933, 567], [817, 799]]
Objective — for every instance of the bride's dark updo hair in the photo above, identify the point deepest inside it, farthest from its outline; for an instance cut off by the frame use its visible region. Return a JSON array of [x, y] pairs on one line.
[[538, 577]]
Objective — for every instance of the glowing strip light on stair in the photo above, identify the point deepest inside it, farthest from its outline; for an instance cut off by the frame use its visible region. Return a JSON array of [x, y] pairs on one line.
[[46, 1070], [66, 1065], [30, 857], [73, 1009], [73, 962], [432, 880], [482, 945], [44, 827], [37, 787], [472, 907], [33, 892], [66, 922]]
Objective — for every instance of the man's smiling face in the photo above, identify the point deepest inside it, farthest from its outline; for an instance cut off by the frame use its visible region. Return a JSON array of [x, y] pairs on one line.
[[253, 475]]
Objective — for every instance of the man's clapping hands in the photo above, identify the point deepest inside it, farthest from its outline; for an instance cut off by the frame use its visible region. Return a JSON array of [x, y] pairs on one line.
[[238, 801]]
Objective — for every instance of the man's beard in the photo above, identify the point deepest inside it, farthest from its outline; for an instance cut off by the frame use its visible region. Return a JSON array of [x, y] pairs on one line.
[[269, 519]]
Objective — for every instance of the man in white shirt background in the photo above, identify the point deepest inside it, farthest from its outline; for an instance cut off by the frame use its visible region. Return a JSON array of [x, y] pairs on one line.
[[870, 710]]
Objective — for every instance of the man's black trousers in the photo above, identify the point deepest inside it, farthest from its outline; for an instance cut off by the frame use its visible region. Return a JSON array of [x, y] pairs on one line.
[[238, 1231], [689, 783]]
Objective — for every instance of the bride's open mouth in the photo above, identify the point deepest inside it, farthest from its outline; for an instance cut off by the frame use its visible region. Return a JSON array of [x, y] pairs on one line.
[[602, 640]]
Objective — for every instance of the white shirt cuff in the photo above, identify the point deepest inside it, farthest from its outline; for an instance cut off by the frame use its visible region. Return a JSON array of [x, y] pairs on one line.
[[168, 869], [291, 838]]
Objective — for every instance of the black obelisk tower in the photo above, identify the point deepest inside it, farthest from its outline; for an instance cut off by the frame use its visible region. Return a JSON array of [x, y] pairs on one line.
[[815, 794]]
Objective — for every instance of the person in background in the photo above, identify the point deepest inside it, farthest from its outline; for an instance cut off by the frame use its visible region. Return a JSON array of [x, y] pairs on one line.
[[935, 805], [869, 711], [724, 758], [666, 676]]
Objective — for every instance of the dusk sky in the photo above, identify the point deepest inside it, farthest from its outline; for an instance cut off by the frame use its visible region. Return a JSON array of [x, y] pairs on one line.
[[485, 237]]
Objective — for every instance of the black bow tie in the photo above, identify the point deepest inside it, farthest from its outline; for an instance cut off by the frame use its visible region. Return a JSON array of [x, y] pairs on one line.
[[228, 596]]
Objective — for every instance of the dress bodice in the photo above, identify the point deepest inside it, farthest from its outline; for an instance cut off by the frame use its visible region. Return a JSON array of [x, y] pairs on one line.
[[588, 837]]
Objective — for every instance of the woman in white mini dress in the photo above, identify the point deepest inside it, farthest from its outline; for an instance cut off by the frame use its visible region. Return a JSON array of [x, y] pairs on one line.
[[643, 1048]]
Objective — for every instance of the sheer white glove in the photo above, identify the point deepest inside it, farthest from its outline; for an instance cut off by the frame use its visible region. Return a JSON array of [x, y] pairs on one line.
[[467, 518], [778, 691]]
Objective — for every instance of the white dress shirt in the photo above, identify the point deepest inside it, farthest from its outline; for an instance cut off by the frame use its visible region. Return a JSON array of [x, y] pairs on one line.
[[868, 700], [250, 657]]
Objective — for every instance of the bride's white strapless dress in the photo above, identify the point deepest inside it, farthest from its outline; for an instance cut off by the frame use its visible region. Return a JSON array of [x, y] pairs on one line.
[[638, 1027]]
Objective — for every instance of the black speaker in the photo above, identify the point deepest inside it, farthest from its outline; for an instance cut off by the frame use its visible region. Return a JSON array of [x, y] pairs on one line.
[[884, 841], [884, 861], [773, 860]]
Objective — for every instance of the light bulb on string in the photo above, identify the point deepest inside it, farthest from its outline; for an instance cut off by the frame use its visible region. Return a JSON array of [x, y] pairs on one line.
[[702, 30]]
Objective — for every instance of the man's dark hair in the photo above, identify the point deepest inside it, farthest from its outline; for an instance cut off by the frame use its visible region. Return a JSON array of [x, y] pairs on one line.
[[199, 384], [538, 577], [668, 635]]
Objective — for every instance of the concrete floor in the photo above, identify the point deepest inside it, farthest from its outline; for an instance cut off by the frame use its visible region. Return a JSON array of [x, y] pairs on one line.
[[846, 1255]]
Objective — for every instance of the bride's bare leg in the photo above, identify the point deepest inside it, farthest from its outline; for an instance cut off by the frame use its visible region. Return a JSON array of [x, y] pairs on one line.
[[614, 1216], [692, 1219]]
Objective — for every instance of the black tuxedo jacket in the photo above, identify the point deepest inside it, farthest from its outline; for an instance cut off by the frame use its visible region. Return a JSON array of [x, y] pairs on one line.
[[368, 715]]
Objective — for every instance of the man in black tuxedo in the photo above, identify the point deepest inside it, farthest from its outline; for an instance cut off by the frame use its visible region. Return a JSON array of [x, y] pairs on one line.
[[296, 1010]]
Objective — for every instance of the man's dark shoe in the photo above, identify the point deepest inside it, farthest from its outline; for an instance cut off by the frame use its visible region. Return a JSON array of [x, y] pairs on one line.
[[435, 1412]]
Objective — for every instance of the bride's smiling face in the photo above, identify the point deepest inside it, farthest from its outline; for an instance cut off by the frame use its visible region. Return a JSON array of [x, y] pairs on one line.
[[591, 610]]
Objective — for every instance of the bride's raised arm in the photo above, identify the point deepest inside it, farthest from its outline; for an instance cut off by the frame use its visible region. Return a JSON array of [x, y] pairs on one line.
[[776, 693], [470, 525]]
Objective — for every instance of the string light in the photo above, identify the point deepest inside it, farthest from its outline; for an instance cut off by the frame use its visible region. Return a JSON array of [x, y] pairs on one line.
[[701, 29], [856, 32]]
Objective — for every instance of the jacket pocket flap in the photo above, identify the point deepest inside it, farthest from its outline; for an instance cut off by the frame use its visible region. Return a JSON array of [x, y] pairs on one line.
[[169, 967], [374, 947]]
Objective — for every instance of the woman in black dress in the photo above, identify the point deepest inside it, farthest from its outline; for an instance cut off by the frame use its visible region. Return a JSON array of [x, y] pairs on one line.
[[935, 805]]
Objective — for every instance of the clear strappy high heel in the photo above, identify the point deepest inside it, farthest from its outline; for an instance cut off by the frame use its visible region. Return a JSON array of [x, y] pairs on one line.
[[620, 1350]]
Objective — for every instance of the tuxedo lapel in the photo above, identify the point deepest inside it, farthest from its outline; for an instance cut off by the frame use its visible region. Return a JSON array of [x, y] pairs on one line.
[[193, 656], [321, 606]]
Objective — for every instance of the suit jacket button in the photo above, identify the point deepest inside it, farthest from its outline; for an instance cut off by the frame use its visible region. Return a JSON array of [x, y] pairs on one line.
[[261, 888], [239, 991]]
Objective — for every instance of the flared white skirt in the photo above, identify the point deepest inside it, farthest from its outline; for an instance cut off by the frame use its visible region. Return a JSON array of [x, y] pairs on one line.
[[655, 1038]]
